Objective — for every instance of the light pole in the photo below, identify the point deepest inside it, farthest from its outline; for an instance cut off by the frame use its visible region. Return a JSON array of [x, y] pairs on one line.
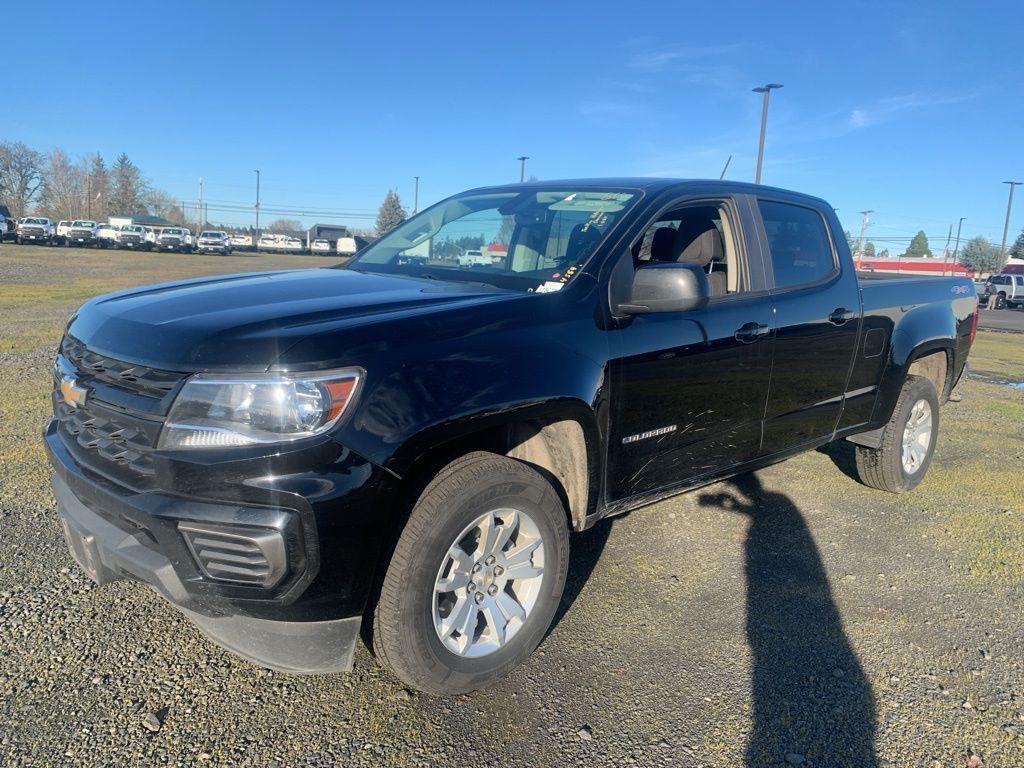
[[416, 197], [765, 89], [863, 225], [956, 245], [257, 240], [1006, 224], [522, 167]]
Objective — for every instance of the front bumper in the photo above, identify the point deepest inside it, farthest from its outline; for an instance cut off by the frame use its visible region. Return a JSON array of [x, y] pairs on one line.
[[308, 625]]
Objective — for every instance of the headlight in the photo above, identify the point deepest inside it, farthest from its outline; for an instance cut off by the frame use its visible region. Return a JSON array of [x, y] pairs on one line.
[[218, 411]]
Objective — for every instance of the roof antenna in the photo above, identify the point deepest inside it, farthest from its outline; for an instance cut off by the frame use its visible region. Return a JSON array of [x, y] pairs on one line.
[[725, 168]]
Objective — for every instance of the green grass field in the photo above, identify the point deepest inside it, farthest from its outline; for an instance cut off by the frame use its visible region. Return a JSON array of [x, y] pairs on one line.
[[710, 629]]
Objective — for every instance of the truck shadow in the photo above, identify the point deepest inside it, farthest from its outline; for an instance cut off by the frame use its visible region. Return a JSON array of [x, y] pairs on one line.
[[585, 551], [810, 696], [842, 453]]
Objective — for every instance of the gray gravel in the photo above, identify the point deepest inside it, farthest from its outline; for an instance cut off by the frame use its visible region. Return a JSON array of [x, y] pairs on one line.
[[792, 617]]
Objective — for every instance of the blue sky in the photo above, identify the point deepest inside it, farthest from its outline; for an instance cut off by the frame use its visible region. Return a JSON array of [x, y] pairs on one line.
[[914, 110]]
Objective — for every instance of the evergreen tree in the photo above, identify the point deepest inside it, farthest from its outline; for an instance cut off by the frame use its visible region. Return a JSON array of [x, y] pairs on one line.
[[391, 213], [98, 188], [869, 250], [505, 231], [979, 255], [918, 246], [128, 188], [884, 253], [1017, 249], [850, 242]]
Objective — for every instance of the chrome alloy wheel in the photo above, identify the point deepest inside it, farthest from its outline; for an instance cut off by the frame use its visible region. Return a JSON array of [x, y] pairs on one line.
[[488, 582], [917, 436]]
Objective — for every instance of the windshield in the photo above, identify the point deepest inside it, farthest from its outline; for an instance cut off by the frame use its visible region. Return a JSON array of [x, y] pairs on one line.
[[35, 221], [170, 232], [535, 239], [214, 235], [86, 224]]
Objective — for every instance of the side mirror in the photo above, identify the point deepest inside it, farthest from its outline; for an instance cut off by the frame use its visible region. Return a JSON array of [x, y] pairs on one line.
[[667, 287]]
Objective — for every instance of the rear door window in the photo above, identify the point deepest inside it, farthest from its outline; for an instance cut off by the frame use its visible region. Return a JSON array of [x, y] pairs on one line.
[[800, 247]]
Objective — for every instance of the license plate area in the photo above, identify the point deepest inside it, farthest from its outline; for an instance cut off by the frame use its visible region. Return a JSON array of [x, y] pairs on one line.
[[86, 552]]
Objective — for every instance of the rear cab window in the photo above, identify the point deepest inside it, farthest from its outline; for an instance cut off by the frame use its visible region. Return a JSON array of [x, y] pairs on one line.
[[801, 250]]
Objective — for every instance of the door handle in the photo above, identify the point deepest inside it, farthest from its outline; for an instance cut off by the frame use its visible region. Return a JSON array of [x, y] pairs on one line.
[[840, 316], [748, 333]]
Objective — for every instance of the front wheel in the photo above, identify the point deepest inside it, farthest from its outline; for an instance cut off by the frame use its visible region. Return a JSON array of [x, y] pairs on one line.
[[908, 440], [475, 578]]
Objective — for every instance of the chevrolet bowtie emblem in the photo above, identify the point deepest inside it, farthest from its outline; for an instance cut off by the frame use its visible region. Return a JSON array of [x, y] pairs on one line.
[[73, 394]]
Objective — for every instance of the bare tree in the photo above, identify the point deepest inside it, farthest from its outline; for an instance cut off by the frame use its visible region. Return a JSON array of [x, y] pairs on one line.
[[21, 176], [64, 189], [160, 203], [176, 215], [284, 225]]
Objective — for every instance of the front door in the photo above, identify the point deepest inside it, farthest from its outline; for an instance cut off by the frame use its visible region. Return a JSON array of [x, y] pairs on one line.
[[688, 389]]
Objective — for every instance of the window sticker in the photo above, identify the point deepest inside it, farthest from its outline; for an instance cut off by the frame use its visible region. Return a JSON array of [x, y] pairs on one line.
[[549, 286]]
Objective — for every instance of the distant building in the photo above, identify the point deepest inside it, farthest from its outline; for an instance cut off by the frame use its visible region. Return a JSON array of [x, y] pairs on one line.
[[144, 219], [912, 266], [330, 232]]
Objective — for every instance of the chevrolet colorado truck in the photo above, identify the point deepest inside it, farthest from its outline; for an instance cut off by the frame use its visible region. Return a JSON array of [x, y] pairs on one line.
[[401, 448]]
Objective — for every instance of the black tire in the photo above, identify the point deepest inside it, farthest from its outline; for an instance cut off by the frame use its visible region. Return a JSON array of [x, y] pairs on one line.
[[404, 638], [883, 467]]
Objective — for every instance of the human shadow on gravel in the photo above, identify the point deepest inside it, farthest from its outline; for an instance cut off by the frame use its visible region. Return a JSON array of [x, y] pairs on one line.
[[810, 695]]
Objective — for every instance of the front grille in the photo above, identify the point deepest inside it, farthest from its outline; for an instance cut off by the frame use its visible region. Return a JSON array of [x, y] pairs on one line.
[[112, 437], [32, 230], [81, 233], [135, 378], [133, 239], [171, 241], [115, 432]]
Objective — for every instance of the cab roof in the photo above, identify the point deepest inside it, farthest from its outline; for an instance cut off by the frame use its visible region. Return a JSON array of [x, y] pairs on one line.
[[654, 185]]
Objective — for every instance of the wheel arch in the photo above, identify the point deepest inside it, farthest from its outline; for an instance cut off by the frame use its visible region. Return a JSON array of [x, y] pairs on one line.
[[561, 440]]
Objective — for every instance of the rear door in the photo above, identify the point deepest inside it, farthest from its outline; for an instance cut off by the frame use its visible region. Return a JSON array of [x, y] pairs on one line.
[[816, 320]]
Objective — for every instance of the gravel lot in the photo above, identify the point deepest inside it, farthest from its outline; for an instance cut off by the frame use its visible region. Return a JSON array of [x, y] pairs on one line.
[[788, 617]]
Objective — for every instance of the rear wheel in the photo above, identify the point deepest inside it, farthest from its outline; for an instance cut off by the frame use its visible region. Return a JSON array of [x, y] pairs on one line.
[[475, 578], [908, 440]]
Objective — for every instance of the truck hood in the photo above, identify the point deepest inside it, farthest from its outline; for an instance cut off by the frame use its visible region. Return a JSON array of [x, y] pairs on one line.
[[248, 321]]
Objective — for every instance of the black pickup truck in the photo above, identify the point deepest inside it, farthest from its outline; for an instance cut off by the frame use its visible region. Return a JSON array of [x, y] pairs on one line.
[[403, 445]]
